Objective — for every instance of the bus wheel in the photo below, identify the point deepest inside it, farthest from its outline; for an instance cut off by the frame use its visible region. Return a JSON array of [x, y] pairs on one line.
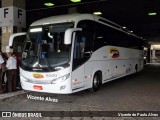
[[96, 82], [136, 68]]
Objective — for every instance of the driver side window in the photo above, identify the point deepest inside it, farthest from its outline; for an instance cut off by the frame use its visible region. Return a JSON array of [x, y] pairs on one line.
[[83, 43]]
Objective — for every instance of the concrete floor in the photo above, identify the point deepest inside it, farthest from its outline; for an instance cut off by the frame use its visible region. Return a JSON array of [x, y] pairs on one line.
[[139, 92]]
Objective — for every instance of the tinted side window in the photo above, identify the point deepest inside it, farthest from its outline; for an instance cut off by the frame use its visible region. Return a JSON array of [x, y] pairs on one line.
[[88, 30], [106, 35], [101, 37]]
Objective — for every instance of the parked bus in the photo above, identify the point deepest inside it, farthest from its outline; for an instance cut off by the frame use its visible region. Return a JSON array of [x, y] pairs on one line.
[[69, 53]]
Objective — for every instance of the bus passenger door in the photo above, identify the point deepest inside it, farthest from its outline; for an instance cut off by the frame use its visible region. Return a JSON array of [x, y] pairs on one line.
[[78, 62]]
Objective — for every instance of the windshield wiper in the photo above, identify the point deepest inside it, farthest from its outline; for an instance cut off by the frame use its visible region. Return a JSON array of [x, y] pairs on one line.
[[59, 68]]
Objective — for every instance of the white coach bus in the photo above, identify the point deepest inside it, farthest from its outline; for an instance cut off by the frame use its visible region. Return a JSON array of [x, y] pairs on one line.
[[70, 53]]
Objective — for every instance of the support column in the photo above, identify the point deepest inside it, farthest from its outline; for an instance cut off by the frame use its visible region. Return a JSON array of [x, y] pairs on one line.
[[12, 20], [149, 55], [154, 55]]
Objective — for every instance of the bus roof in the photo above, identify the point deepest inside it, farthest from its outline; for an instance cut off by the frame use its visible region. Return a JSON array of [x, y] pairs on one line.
[[76, 17], [62, 19]]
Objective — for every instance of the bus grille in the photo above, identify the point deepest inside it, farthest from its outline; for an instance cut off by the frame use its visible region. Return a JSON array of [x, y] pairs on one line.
[[40, 81]]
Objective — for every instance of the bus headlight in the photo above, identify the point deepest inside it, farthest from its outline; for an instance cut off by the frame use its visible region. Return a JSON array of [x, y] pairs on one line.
[[60, 79]]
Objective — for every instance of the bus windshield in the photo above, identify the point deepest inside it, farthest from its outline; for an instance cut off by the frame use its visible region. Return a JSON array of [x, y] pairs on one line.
[[44, 47]]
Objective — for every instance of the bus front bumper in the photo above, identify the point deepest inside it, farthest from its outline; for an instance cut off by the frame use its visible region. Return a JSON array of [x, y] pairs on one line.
[[60, 88]]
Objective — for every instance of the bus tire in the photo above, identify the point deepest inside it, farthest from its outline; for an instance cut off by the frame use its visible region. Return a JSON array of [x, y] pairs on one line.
[[96, 82], [136, 69]]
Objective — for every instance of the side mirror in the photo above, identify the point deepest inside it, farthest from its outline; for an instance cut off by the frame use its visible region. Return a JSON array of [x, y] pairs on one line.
[[68, 34], [12, 37]]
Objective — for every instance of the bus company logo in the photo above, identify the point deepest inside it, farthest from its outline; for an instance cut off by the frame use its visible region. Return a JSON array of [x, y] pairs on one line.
[[37, 75], [114, 52]]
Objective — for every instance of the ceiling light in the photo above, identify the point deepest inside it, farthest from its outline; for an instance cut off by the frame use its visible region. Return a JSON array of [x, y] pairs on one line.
[[152, 13], [124, 27], [97, 13], [48, 4], [75, 0]]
